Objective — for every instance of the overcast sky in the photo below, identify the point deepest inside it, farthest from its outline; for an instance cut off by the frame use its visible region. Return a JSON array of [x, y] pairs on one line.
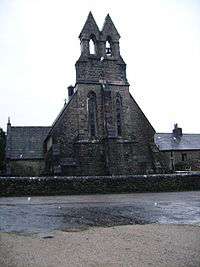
[[160, 42]]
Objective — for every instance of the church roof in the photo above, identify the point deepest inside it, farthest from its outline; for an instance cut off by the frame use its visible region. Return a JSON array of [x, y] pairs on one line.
[[26, 142], [167, 141]]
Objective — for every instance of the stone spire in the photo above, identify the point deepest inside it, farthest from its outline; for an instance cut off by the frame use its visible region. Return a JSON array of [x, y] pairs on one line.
[[90, 28], [110, 30]]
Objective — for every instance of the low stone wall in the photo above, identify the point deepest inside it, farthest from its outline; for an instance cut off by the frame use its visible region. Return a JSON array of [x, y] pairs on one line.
[[26, 186]]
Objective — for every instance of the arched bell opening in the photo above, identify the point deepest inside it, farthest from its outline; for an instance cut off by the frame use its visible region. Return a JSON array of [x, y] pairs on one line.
[[109, 47], [92, 45]]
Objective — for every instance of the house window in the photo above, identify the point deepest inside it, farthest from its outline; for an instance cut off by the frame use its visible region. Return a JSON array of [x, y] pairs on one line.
[[92, 113], [119, 115], [184, 157]]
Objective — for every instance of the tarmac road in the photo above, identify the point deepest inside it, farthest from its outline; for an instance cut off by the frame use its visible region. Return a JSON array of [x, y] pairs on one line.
[[27, 215]]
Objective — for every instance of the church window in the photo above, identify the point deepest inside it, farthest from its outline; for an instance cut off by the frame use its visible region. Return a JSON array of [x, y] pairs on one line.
[[92, 113], [108, 47], [119, 114]]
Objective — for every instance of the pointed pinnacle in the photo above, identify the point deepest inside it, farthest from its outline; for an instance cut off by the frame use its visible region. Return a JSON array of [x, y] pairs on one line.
[[90, 25]]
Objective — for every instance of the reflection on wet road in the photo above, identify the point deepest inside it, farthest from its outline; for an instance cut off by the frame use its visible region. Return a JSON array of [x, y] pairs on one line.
[[43, 214]]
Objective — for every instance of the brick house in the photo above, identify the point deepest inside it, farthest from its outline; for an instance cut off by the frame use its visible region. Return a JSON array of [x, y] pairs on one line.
[[101, 130]]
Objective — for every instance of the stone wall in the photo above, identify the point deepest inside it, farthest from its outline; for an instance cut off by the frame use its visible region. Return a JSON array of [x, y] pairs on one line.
[[191, 160], [92, 69], [63, 134], [29, 186], [27, 167], [143, 134]]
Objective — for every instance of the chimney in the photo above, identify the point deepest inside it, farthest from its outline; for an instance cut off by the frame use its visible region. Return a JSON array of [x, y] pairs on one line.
[[8, 138], [8, 126], [177, 131], [70, 92]]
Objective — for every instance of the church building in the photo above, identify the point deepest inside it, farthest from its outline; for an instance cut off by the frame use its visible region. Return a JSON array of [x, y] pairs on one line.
[[100, 131]]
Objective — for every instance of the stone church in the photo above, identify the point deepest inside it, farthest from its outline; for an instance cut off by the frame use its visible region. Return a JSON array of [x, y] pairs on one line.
[[100, 131]]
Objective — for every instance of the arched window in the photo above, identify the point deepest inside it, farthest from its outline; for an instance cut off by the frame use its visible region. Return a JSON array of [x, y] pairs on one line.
[[92, 45], [92, 113], [109, 46], [119, 114]]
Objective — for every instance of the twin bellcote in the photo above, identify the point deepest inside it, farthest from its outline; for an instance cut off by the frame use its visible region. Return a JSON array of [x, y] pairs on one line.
[[100, 59]]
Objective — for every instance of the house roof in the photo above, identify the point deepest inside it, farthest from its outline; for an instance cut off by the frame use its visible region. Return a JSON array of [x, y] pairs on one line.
[[26, 142], [167, 141]]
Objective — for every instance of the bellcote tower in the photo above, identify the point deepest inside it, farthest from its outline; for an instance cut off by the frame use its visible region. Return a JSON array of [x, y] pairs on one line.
[[100, 60]]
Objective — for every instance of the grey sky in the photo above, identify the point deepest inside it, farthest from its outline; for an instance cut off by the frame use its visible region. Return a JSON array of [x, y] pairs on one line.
[[160, 42]]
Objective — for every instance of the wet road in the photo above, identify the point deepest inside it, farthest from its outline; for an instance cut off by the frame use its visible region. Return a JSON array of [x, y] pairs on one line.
[[74, 213]]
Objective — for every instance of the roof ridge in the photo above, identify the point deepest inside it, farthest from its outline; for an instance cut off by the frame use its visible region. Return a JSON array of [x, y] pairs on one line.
[[182, 134], [30, 126]]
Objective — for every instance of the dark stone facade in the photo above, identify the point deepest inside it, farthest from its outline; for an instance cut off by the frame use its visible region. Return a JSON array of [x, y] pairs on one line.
[[101, 130], [123, 136]]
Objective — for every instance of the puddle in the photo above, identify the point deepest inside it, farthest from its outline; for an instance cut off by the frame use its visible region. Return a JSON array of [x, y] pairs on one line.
[[79, 213]]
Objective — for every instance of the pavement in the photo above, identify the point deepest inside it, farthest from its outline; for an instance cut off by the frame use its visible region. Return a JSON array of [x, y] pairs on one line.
[[41, 215], [150, 229], [152, 245]]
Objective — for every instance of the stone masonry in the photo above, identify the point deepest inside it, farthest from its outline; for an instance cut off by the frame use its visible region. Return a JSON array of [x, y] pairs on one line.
[[116, 137]]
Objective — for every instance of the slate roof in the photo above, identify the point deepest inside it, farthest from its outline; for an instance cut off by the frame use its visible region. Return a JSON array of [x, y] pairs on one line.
[[167, 141], [26, 142]]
